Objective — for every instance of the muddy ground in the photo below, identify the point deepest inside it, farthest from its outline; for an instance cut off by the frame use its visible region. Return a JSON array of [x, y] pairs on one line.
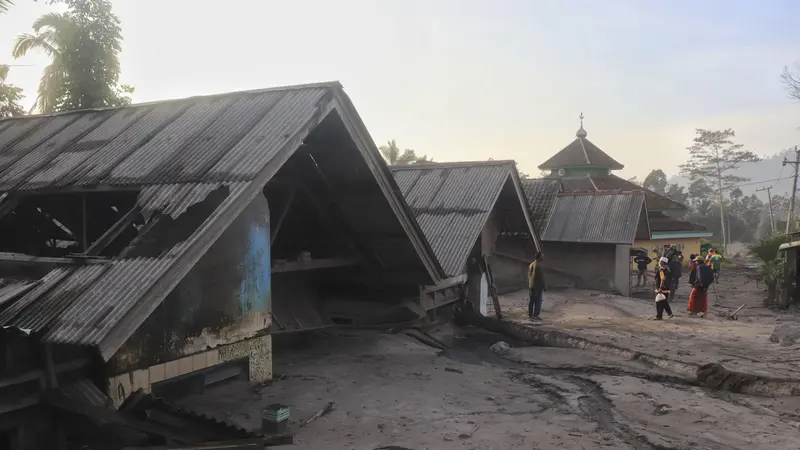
[[393, 391]]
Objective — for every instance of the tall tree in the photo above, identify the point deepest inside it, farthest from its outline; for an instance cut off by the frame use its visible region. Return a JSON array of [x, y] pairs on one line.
[[791, 81], [393, 155], [10, 96], [84, 44], [656, 181], [714, 157], [635, 180]]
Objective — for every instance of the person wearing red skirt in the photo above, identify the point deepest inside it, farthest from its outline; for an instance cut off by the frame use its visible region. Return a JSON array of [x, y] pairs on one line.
[[698, 299]]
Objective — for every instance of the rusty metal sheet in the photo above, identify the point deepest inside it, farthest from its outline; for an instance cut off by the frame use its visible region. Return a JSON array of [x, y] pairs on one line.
[[595, 218]]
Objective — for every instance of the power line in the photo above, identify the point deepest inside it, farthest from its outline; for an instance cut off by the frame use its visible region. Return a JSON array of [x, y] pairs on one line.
[[751, 183]]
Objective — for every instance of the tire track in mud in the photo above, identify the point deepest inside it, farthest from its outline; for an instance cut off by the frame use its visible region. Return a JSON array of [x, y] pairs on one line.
[[592, 404]]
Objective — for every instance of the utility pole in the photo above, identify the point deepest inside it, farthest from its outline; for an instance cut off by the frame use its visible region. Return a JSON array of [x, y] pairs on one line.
[[795, 163], [769, 199]]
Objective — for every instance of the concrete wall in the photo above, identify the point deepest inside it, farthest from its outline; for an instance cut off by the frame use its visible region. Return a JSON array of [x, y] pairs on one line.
[[622, 278], [583, 266], [258, 351], [510, 263], [225, 299]]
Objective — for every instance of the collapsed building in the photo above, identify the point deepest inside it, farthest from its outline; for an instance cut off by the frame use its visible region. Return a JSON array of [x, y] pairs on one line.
[[156, 248], [475, 216]]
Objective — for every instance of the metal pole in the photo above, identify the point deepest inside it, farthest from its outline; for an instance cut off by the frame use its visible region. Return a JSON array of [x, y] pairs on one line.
[[795, 163], [769, 199]]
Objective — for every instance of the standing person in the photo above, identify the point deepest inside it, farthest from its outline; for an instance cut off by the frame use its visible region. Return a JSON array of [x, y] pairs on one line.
[[642, 261], [716, 264], [693, 269], [675, 272], [662, 297], [536, 285], [698, 299], [656, 268], [709, 255]]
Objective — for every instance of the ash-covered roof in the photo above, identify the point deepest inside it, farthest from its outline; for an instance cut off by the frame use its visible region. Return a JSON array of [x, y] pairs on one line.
[[177, 154], [598, 183], [580, 153], [595, 218], [541, 194], [452, 202], [661, 222]]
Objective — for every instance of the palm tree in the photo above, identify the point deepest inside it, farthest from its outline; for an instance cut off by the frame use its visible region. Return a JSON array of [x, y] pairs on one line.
[[10, 96], [52, 31], [4, 5], [391, 153]]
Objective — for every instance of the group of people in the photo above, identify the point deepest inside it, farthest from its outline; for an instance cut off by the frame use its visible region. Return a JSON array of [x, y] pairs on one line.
[[703, 272]]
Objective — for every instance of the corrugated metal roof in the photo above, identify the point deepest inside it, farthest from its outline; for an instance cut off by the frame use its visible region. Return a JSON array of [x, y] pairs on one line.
[[452, 203], [176, 153], [52, 304], [595, 218], [199, 139], [541, 195], [14, 289]]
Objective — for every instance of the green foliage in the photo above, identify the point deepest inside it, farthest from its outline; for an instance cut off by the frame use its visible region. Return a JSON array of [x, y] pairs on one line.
[[714, 155], [10, 96], [392, 154], [656, 181], [84, 44], [766, 249]]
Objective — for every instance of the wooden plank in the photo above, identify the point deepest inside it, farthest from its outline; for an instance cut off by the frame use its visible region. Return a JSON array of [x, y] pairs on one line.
[[314, 264], [239, 444], [444, 284], [112, 233], [492, 288], [276, 227]]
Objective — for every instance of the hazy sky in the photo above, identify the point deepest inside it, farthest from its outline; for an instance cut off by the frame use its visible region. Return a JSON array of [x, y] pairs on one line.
[[472, 80]]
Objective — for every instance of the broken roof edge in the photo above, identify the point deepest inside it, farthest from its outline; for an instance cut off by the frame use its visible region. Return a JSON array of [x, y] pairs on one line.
[[333, 85], [383, 175], [207, 234], [451, 165]]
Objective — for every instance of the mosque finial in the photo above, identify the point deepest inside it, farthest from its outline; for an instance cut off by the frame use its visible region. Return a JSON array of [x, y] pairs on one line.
[[581, 132]]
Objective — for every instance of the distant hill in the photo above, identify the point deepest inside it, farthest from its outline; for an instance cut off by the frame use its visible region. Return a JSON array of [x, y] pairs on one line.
[[767, 169]]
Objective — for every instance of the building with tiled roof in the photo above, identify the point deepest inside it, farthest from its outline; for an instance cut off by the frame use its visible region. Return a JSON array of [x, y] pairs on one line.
[[581, 168]]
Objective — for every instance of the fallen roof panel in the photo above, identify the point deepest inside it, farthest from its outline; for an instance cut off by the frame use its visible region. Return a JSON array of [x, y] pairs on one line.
[[595, 218]]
